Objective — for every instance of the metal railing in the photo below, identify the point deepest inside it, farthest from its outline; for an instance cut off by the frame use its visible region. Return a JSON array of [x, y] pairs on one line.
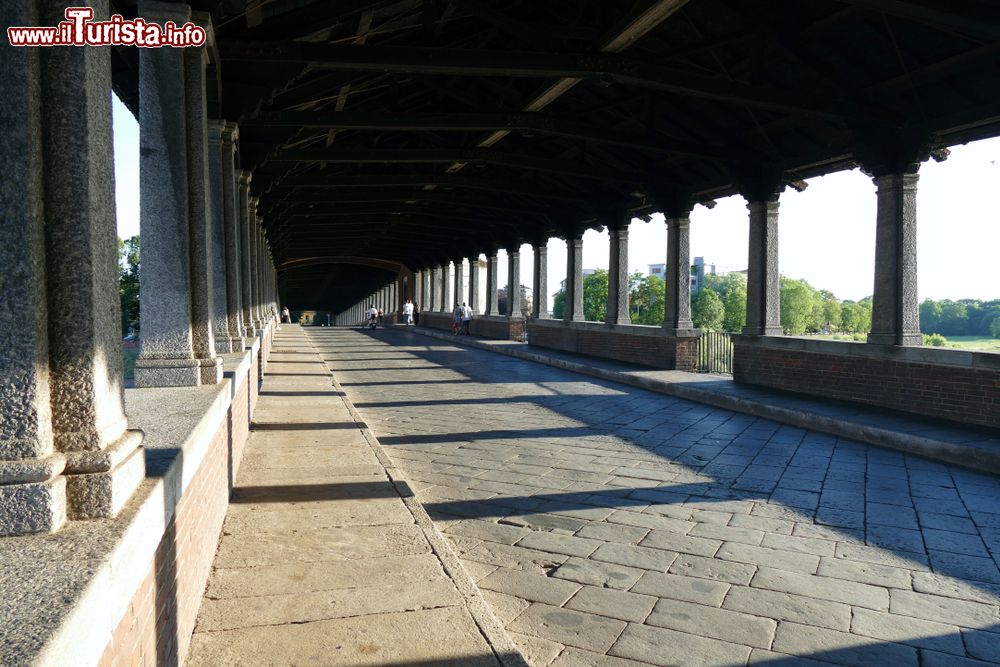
[[715, 353]]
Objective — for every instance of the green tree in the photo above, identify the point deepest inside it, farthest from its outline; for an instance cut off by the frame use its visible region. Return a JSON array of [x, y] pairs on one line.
[[707, 310], [128, 283], [995, 328], [930, 316], [595, 296], [831, 310], [559, 305], [797, 300], [647, 295]]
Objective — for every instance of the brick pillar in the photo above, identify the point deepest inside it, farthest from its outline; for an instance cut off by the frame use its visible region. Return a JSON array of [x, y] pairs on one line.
[[895, 309], [574, 279], [677, 310], [492, 306], [474, 278], [540, 282], [763, 285], [514, 282], [616, 311], [177, 341]]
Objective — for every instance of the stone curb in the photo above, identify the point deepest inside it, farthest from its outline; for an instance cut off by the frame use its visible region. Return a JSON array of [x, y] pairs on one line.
[[506, 651], [974, 458]]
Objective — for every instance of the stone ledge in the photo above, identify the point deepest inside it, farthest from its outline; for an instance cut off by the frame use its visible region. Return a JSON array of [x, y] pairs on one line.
[[916, 355], [65, 593], [601, 327]]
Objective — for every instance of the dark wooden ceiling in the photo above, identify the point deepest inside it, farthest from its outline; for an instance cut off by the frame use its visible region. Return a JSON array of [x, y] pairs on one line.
[[421, 131]]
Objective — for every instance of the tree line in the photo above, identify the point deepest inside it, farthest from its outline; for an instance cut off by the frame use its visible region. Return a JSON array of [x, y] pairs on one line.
[[721, 304]]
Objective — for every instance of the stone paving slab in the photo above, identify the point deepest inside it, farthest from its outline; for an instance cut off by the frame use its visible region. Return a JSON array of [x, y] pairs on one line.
[[971, 448], [610, 525], [325, 558]]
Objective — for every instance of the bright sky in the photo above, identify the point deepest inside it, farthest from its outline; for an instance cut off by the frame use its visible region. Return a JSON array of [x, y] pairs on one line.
[[826, 234]]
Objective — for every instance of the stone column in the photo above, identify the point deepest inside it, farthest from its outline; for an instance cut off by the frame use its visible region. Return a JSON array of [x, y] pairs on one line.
[[459, 282], [246, 265], [492, 305], [445, 291], [59, 305], [514, 282], [616, 310], [474, 278], [763, 286], [32, 488], [216, 217], [433, 288], [574, 279], [540, 282], [677, 309], [895, 309], [177, 340], [231, 217], [256, 304], [203, 310]]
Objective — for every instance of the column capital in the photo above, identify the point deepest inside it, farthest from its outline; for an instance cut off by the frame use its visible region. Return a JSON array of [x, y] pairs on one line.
[[245, 177], [673, 201], [759, 182], [230, 132], [883, 151], [159, 12]]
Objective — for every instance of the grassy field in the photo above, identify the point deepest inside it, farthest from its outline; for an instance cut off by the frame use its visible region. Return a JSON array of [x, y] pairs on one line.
[[959, 342], [974, 343]]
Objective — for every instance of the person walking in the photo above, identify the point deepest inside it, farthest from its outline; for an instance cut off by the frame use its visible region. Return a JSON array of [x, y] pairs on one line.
[[408, 313], [456, 320], [286, 316], [416, 315], [466, 318], [372, 317]]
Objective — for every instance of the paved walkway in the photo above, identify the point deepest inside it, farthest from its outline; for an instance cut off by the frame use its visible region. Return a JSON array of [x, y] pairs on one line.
[[972, 448], [322, 561], [609, 525]]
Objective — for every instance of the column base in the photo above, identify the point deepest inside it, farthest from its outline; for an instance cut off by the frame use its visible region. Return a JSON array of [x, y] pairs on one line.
[[211, 370], [33, 507], [102, 494], [177, 372], [904, 340], [224, 345], [237, 344]]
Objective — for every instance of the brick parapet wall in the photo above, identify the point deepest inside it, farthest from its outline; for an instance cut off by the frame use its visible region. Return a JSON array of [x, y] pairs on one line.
[[499, 328], [135, 599], [948, 384], [647, 346]]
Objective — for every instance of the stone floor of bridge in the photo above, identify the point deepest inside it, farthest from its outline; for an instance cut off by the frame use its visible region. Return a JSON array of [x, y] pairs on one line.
[[324, 557], [605, 525], [608, 525]]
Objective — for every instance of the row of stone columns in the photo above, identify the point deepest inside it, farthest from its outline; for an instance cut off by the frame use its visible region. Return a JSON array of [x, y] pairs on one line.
[[895, 316], [206, 278], [207, 281]]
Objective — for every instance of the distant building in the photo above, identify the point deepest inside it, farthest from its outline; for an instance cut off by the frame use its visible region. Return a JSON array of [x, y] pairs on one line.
[[699, 269], [585, 272]]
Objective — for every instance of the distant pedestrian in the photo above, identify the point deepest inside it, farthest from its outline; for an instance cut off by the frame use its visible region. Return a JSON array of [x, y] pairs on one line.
[[456, 320], [466, 318], [416, 314], [380, 316], [408, 313], [286, 316], [372, 317]]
